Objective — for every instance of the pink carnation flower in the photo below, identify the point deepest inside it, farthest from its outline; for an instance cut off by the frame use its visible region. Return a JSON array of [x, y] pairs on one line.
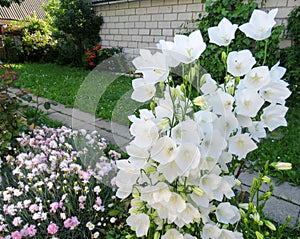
[[52, 228], [16, 235], [71, 222]]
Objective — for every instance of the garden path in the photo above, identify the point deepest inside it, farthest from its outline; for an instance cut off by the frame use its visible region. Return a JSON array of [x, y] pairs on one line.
[[284, 201]]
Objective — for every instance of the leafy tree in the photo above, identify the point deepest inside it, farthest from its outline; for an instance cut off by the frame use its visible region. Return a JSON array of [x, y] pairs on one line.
[[7, 3], [75, 21]]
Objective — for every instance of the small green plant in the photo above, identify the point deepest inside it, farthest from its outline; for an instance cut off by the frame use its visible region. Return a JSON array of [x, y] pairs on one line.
[[254, 223], [11, 122]]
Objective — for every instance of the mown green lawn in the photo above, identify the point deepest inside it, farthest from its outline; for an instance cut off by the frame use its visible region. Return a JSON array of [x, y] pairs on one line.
[[108, 96]]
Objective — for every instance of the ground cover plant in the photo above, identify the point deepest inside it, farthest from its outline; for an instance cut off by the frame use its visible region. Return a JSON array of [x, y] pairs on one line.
[[60, 184]]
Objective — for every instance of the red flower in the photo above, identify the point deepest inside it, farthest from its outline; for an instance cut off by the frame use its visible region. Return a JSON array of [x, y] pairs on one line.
[[97, 48]]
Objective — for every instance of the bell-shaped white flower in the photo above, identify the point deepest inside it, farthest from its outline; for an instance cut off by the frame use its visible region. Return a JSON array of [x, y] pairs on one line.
[[220, 102], [164, 150], [226, 124], [166, 47], [137, 152], [170, 171], [223, 34], [227, 234], [153, 67], [186, 132], [127, 175], [209, 86], [145, 132], [241, 145], [140, 222], [239, 63], [188, 236], [210, 231], [248, 102], [205, 118], [224, 159], [273, 116], [172, 234], [188, 48], [277, 72], [257, 131], [187, 216], [187, 157], [142, 90], [227, 214], [260, 25], [257, 77], [276, 92], [213, 144]]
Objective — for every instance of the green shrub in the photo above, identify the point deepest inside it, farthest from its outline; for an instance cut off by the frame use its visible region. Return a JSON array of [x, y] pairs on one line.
[[290, 56], [238, 12], [34, 39]]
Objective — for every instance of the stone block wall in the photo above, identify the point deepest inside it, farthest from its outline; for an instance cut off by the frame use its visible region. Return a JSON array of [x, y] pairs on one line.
[[142, 23]]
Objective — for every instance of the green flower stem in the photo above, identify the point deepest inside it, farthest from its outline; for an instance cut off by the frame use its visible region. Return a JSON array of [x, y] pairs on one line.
[[265, 51]]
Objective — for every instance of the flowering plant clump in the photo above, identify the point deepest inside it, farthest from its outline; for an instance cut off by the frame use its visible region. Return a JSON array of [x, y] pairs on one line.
[[54, 189], [185, 149], [91, 56]]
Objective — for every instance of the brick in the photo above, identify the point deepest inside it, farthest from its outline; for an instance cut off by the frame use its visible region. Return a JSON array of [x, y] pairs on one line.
[[165, 9], [184, 16], [151, 24], [179, 8], [134, 4], [145, 3], [123, 44], [123, 31], [132, 44], [114, 31], [129, 24], [157, 17], [141, 11], [110, 13], [176, 24], [110, 25], [120, 12], [171, 2], [144, 31], [109, 37], [134, 18], [113, 19], [285, 43], [140, 24], [113, 44], [117, 38], [185, 1], [156, 32], [126, 38], [104, 31], [167, 32], [145, 18], [123, 19], [170, 16], [104, 42], [293, 3], [133, 31], [130, 11], [158, 38], [143, 45], [170, 39], [276, 3], [137, 38], [164, 24], [152, 10], [148, 38], [283, 12], [195, 7], [120, 25], [157, 3]]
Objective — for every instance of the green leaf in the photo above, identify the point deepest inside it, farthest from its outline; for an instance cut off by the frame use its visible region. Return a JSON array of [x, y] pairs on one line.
[[113, 212]]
